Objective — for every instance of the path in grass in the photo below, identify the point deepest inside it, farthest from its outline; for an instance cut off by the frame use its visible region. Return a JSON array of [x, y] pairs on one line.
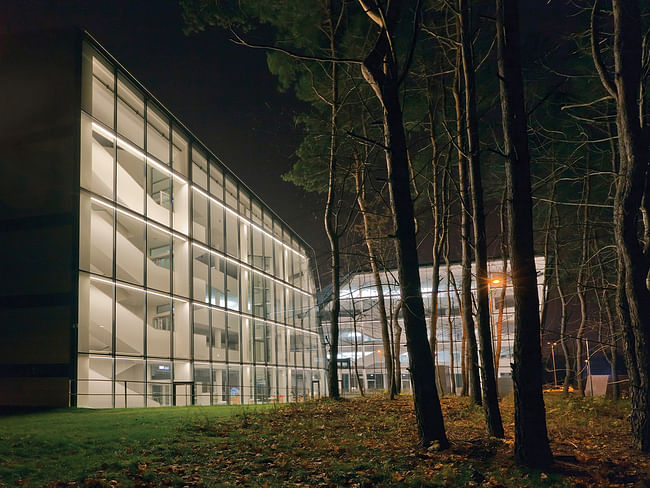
[[349, 443]]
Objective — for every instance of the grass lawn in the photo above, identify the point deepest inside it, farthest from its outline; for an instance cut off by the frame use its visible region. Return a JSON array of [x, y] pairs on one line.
[[361, 442]]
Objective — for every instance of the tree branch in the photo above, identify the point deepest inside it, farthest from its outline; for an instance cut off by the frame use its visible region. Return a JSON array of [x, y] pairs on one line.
[[595, 54]]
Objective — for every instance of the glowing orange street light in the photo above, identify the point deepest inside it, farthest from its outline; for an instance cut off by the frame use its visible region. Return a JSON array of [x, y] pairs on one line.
[[496, 281]]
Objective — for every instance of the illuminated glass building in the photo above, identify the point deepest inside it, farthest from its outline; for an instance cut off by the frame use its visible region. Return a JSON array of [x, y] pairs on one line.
[[360, 339], [137, 269]]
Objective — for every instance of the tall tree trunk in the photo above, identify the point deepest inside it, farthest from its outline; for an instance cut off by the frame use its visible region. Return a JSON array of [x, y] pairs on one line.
[[381, 304], [397, 341], [488, 381], [331, 225], [356, 344], [581, 290], [381, 72], [436, 203], [632, 198], [450, 323], [504, 282], [632, 201], [466, 247], [610, 351], [562, 297], [531, 436]]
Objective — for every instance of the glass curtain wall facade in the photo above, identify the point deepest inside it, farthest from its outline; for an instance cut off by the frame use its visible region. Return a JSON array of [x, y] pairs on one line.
[[360, 337], [190, 289]]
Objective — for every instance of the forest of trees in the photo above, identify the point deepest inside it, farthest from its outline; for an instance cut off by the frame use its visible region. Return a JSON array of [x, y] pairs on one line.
[[463, 129]]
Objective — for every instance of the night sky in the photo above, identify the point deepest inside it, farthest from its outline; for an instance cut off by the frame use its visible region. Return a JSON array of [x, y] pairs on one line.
[[222, 92]]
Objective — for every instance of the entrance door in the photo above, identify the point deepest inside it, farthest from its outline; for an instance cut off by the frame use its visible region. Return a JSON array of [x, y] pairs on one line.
[[183, 394]]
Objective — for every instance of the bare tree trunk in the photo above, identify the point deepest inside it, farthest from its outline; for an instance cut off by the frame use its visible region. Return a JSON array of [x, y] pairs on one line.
[[581, 287], [488, 381], [563, 302], [438, 232], [531, 436], [452, 360], [381, 304], [631, 202], [331, 225], [381, 72], [397, 338], [356, 346], [504, 283], [466, 253]]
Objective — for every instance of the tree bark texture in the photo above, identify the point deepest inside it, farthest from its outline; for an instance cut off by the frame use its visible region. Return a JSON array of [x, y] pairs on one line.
[[488, 380], [629, 203], [381, 304], [381, 72], [531, 436], [331, 228], [474, 387]]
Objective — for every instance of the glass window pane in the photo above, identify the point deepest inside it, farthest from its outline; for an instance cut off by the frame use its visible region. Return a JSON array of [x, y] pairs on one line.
[[181, 206], [231, 193], [129, 321], [246, 341], [96, 332], [280, 293], [202, 383], [98, 373], [199, 169], [244, 241], [130, 112], [232, 234], [270, 343], [129, 253], [257, 213], [268, 254], [159, 198], [279, 260], [199, 217], [220, 335], [158, 259], [257, 257], [95, 236], [217, 281], [245, 286], [234, 385], [181, 267], [269, 309], [180, 152], [130, 178], [281, 338], [233, 338], [129, 383], [97, 159], [182, 371], [159, 325], [248, 384], [97, 96], [216, 226], [157, 134], [232, 286], [260, 349], [216, 181], [181, 329], [159, 388], [258, 294], [220, 384], [201, 332], [200, 266]]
